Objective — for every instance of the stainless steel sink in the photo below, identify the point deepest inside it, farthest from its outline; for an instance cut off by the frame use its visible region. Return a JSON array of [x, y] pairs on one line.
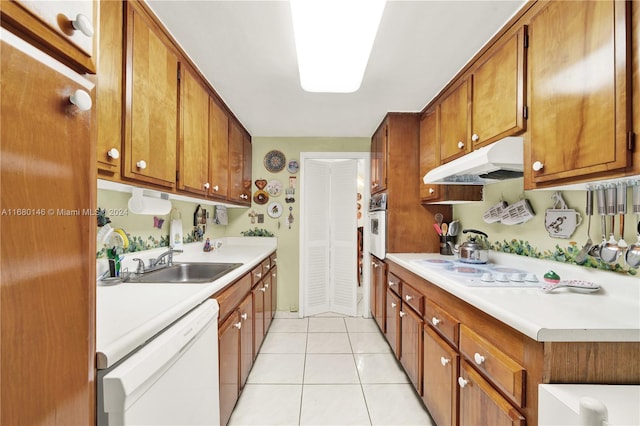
[[187, 273]]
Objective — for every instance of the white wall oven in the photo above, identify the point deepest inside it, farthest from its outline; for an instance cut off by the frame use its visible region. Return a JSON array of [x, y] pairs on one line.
[[378, 225]]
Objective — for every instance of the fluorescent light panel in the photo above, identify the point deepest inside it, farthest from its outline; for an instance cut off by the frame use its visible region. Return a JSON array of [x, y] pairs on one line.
[[333, 42]]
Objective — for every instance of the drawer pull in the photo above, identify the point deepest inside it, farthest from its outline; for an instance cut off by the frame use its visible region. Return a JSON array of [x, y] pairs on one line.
[[462, 382], [263, 289], [393, 305], [238, 325], [435, 321], [402, 314], [259, 275], [374, 264], [244, 316], [479, 359], [408, 298], [266, 286], [391, 283], [274, 275], [444, 361]]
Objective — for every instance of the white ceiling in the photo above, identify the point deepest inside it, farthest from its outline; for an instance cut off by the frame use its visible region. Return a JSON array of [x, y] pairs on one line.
[[246, 51]]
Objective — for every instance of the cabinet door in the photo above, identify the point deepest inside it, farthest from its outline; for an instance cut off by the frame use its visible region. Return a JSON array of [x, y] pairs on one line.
[[151, 102], [411, 342], [258, 316], [498, 92], [481, 404], [236, 164], [247, 156], [218, 151], [50, 24], [454, 128], [429, 153], [578, 91], [245, 309], [268, 295], [194, 134], [379, 159], [274, 289], [440, 372], [47, 168], [229, 360], [392, 328]]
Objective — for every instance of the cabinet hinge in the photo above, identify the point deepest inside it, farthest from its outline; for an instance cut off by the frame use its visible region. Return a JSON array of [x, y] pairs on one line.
[[177, 176], [526, 41], [525, 112], [631, 141], [179, 74]]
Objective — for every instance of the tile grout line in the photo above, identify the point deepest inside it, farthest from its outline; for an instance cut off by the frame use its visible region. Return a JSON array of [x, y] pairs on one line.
[[353, 356]]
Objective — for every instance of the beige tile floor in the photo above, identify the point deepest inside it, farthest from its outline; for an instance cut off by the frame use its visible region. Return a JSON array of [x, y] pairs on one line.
[[327, 370]]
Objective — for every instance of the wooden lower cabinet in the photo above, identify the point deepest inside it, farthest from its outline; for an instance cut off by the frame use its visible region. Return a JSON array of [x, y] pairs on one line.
[[229, 336], [258, 317], [411, 345], [378, 292], [392, 328], [481, 404], [268, 296], [246, 338], [440, 375]]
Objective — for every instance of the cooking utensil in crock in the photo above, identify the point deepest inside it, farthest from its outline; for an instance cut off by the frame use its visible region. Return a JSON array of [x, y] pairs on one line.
[[454, 228], [609, 251], [581, 258], [632, 256], [474, 250], [602, 211]]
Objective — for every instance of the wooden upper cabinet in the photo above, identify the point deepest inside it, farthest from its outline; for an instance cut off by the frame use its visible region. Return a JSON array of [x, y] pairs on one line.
[[454, 123], [151, 98], [247, 158], [50, 25], [218, 151], [578, 89], [498, 92], [237, 192], [379, 159], [429, 152], [194, 134]]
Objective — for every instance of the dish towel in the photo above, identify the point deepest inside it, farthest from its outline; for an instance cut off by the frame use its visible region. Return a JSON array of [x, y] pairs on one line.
[[176, 234], [220, 215]]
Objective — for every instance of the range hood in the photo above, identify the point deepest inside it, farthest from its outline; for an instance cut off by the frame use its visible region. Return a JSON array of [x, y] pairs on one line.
[[490, 164]]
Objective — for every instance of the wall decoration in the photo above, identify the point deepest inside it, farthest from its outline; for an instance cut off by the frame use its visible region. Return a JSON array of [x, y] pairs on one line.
[[274, 188], [274, 161], [290, 218], [252, 214], [158, 222], [260, 183], [293, 166], [260, 197], [274, 209]]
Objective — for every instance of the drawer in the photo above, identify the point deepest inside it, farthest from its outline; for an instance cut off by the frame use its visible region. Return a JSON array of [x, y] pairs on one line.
[[230, 297], [256, 273], [266, 265], [499, 368], [413, 298], [274, 260], [393, 283], [442, 321]]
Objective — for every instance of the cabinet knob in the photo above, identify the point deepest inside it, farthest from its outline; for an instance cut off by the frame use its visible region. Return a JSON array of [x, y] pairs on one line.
[[431, 190], [216, 188], [374, 264], [244, 316], [266, 285], [435, 321], [462, 382], [259, 275], [444, 361], [475, 137], [402, 314], [141, 164], [238, 325], [81, 99], [391, 283], [113, 153], [407, 298], [460, 144], [479, 359], [263, 289], [537, 166], [83, 24], [393, 305], [274, 275], [206, 185]]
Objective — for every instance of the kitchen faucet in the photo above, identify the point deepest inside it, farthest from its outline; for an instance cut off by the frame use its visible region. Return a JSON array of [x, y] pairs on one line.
[[164, 258]]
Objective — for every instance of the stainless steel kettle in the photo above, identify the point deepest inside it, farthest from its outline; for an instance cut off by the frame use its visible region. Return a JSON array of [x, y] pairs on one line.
[[474, 250]]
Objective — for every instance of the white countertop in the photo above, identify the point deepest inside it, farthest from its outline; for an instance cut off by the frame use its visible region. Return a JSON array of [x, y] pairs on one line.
[[128, 315], [610, 315]]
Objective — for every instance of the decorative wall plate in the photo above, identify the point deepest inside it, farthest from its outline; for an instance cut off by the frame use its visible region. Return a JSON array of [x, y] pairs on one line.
[[274, 188], [293, 166], [274, 209], [274, 161], [260, 197]]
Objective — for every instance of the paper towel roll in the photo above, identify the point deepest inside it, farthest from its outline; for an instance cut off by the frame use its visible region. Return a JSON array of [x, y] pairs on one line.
[[143, 204]]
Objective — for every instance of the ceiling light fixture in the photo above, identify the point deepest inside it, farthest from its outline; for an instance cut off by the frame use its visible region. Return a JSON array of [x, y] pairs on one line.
[[333, 42]]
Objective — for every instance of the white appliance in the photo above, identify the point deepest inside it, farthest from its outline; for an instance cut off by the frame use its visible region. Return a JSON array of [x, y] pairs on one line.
[[498, 161], [378, 225], [172, 380], [588, 405]]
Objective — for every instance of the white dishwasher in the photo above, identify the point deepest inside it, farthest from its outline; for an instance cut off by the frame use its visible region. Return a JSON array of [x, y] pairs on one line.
[[172, 380]]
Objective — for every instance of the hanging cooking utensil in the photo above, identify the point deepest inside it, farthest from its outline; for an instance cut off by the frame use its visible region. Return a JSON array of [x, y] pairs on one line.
[[610, 251], [621, 208], [581, 258], [454, 228], [632, 256], [596, 251]]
